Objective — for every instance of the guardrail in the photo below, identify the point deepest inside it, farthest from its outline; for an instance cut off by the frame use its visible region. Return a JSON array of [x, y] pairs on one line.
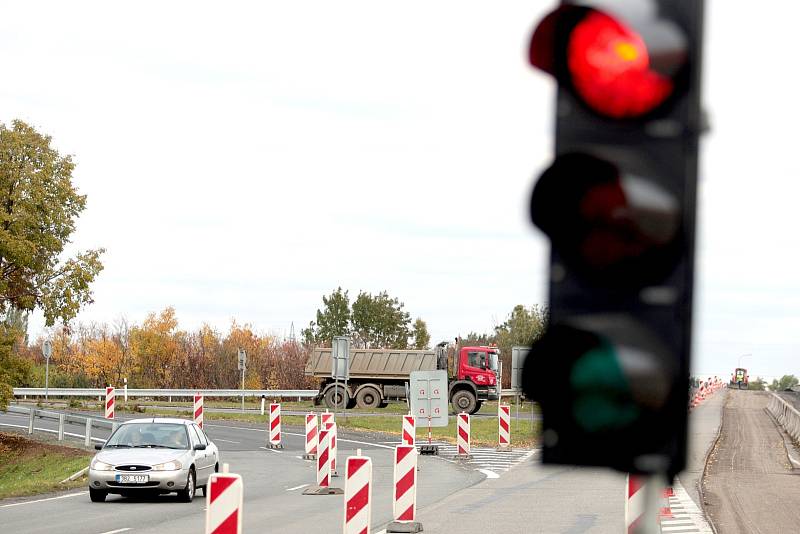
[[100, 392], [787, 416], [63, 418]]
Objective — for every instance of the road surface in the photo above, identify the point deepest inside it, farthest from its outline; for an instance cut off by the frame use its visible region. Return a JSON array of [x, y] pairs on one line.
[[750, 486]]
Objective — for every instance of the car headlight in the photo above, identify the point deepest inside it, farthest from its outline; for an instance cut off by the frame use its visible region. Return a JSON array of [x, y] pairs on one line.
[[174, 465], [97, 465]]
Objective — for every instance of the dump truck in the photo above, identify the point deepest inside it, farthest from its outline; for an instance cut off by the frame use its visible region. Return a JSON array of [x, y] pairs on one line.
[[377, 375]]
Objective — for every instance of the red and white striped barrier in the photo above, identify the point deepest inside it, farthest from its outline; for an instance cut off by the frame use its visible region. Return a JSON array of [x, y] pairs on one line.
[[634, 502], [274, 426], [334, 447], [109, 402], [224, 503], [198, 409], [409, 436], [311, 437], [462, 438], [357, 495], [324, 459], [323, 486], [404, 504], [325, 418], [504, 427]]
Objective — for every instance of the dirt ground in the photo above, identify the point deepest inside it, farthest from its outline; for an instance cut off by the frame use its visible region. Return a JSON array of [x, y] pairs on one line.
[[750, 485], [14, 446]]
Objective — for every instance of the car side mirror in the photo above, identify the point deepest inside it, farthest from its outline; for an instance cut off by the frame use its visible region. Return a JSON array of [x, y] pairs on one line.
[[98, 446], [200, 447]]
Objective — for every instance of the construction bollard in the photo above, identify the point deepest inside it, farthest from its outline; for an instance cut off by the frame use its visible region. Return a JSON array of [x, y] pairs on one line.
[[198, 409], [643, 503], [311, 437], [87, 435], [325, 418], [504, 428], [409, 436], [333, 430], [404, 503], [61, 427], [274, 441], [224, 503], [109, 402], [30, 420], [262, 404], [463, 438], [357, 495], [323, 468]]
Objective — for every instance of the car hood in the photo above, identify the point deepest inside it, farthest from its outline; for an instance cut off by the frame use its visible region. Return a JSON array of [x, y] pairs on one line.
[[139, 456]]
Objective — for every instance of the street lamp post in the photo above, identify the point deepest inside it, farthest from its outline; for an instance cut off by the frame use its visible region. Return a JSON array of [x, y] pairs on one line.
[[242, 368]]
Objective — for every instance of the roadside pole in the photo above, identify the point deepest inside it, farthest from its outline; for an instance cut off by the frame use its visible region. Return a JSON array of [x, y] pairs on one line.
[[47, 351], [242, 365]]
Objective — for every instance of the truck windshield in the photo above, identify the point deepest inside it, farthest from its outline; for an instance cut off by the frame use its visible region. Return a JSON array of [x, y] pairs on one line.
[[493, 361]]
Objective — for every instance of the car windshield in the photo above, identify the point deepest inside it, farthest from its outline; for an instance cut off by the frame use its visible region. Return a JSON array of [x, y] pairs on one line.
[[150, 435]]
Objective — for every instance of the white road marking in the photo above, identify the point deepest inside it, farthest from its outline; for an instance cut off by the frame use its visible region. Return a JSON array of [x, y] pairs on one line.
[[116, 531], [43, 500], [297, 487], [227, 440], [271, 450], [488, 473]]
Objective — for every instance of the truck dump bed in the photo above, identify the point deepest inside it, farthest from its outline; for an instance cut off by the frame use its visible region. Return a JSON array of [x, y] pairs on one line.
[[374, 363]]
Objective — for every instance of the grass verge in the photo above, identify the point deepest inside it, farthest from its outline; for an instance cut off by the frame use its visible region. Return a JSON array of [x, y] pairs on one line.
[[29, 467], [483, 431]]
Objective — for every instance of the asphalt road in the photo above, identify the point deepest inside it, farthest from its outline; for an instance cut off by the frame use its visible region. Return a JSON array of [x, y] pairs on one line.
[[751, 486]]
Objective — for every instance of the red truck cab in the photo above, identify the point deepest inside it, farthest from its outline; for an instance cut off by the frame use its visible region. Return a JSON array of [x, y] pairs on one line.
[[474, 378]]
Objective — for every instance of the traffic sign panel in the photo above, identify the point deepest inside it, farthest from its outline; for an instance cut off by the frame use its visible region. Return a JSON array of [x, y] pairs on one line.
[[429, 397], [340, 358]]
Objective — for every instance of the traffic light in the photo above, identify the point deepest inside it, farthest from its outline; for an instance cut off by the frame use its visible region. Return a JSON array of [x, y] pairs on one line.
[[611, 372]]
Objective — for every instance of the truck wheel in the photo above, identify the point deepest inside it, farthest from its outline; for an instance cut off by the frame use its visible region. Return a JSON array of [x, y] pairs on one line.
[[478, 406], [464, 401], [368, 397], [336, 398]]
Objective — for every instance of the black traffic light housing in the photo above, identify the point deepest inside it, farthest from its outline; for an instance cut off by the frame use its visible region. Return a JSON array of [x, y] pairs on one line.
[[618, 204]]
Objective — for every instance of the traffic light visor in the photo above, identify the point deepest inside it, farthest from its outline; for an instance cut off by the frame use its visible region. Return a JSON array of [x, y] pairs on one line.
[[607, 62]]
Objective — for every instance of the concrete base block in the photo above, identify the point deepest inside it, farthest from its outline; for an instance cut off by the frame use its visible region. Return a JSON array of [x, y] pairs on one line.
[[274, 446], [429, 449], [462, 457], [322, 490], [404, 526], [309, 457]]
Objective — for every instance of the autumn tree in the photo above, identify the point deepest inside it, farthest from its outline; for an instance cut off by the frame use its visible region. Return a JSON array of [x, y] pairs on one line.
[[39, 208], [332, 320], [522, 327], [155, 349]]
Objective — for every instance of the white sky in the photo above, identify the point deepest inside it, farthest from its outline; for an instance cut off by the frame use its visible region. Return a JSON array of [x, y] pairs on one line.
[[243, 159]]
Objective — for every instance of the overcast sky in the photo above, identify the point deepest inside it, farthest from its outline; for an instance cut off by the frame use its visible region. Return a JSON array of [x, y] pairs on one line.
[[243, 159]]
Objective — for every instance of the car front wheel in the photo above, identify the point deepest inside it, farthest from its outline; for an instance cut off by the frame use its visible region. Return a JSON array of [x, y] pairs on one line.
[[97, 495], [187, 494]]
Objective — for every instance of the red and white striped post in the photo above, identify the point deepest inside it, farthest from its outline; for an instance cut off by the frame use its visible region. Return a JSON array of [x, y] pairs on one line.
[[224, 503], [404, 504], [333, 431], [462, 437], [311, 437], [110, 402], [323, 486], [357, 495], [644, 503], [504, 428], [325, 418], [409, 436], [274, 441], [198, 409]]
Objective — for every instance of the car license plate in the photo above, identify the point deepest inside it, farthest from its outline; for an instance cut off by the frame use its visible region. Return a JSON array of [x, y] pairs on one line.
[[133, 479]]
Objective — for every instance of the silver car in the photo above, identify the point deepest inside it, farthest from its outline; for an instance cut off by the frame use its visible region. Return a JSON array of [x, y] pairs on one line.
[[155, 455]]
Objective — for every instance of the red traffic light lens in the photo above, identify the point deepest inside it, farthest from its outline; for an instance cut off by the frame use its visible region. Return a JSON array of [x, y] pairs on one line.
[[612, 228], [610, 68], [617, 70]]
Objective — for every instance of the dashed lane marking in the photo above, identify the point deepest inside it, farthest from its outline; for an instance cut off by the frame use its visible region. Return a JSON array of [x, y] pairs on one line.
[[117, 531], [297, 487], [227, 441]]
